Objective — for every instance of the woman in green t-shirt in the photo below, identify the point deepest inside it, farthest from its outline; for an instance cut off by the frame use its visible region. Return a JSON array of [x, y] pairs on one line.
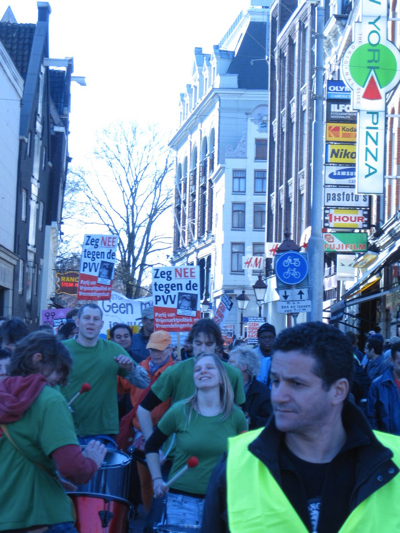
[[202, 425], [39, 440]]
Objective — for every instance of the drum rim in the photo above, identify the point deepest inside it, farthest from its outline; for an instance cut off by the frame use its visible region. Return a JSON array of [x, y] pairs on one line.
[[101, 496]]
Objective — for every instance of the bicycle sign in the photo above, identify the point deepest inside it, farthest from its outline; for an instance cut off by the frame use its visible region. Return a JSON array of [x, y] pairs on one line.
[[291, 267]]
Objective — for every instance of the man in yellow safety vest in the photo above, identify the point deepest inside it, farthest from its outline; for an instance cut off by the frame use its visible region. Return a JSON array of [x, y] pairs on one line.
[[317, 466]]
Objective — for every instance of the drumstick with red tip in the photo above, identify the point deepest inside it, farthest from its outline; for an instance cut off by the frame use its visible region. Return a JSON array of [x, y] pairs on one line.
[[192, 462], [85, 388]]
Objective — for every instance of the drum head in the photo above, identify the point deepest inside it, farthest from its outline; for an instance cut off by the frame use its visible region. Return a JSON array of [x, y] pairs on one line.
[[115, 458]]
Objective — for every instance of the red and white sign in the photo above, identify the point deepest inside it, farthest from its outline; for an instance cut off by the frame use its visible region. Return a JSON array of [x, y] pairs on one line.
[[346, 218], [97, 267], [254, 262], [271, 249], [176, 297], [222, 312], [252, 328]]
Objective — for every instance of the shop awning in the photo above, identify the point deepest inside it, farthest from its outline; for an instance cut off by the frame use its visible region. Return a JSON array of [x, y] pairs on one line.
[[372, 274]]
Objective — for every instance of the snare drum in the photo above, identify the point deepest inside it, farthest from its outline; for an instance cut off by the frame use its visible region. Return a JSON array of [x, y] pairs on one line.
[[182, 514], [112, 478], [97, 513]]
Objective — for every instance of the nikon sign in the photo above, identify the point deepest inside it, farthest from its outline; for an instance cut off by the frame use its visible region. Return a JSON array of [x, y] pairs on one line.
[[371, 68]]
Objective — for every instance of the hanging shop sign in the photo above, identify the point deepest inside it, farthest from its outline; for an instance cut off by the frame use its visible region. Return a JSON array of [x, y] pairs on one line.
[[340, 175], [340, 112], [336, 132], [345, 242], [67, 282], [344, 197], [337, 90], [340, 153], [346, 218], [371, 68]]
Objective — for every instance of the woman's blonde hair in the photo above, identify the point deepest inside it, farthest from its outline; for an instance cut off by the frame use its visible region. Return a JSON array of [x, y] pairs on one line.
[[226, 393]]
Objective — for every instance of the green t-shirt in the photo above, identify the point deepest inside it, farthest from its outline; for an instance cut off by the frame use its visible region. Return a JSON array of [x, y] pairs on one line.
[[205, 437], [94, 412], [29, 495], [177, 382]]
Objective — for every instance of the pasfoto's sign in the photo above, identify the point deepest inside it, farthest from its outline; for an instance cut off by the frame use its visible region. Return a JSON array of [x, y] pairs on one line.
[[340, 112], [346, 218], [344, 197], [337, 132], [340, 153], [371, 68], [345, 242], [340, 175]]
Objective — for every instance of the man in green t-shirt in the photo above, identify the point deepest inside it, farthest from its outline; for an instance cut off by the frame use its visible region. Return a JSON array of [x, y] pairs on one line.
[[177, 381], [98, 362]]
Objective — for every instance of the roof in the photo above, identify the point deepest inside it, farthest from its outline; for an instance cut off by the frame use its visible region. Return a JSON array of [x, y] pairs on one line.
[[17, 40], [252, 47], [57, 89]]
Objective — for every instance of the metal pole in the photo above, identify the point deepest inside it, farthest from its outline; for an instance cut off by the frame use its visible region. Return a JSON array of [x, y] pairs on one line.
[[315, 244], [241, 322]]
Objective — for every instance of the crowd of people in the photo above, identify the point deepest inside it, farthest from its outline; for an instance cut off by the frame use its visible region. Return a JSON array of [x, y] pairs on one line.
[[298, 433]]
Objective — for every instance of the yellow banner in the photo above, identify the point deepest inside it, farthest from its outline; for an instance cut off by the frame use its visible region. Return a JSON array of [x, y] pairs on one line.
[[340, 153], [337, 132]]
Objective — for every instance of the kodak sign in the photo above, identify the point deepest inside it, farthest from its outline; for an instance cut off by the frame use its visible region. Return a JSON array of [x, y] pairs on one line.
[[371, 68], [337, 132]]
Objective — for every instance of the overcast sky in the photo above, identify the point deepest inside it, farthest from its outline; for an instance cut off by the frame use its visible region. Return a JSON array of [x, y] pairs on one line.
[[137, 57]]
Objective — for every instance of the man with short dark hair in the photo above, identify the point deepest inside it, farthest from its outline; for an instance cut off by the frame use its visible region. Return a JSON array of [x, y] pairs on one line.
[[97, 362], [376, 364], [317, 465], [383, 408], [266, 335], [139, 340]]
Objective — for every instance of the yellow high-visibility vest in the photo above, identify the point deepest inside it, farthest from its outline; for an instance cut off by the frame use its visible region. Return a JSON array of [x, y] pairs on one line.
[[257, 504]]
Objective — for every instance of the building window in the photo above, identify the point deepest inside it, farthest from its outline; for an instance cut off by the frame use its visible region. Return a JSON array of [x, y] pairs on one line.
[[260, 181], [261, 149], [239, 181], [237, 254], [24, 204], [28, 144], [238, 216], [259, 216], [40, 217], [44, 158], [21, 277]]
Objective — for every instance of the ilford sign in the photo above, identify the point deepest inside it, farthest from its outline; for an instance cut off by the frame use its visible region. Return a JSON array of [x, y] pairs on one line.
[[371, 68]]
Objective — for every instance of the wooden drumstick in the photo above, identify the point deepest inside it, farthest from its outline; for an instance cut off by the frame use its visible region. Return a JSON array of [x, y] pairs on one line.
[[85, 388], [192, 462]]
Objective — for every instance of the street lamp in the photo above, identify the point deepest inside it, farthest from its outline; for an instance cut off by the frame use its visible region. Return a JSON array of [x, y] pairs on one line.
[[242, 302], [205, 304], [260, 288]]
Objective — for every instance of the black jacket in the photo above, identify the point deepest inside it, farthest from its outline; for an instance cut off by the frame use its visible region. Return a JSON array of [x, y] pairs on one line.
[[363, 466], [258, 404], [383, 409]]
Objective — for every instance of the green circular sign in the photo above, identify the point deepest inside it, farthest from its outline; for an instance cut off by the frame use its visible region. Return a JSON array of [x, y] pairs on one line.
[[360, 65]]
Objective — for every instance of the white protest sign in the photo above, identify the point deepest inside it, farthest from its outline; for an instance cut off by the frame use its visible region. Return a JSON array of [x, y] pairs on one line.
[[176, 296], [97, 267]]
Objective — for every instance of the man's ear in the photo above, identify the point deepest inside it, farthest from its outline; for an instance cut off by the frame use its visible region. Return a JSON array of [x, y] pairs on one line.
[[37, 357], [340, 390]]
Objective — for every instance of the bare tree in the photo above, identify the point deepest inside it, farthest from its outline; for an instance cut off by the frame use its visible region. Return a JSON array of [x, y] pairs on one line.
[[126, 192]]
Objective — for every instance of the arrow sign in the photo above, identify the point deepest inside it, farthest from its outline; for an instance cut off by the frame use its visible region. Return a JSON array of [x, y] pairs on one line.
[[290, 295]]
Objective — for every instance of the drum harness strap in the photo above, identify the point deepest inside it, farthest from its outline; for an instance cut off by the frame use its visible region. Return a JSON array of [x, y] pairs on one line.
[[7, 434]]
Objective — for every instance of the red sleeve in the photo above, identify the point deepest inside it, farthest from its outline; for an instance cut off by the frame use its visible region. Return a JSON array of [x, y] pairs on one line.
[[73, 465]]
